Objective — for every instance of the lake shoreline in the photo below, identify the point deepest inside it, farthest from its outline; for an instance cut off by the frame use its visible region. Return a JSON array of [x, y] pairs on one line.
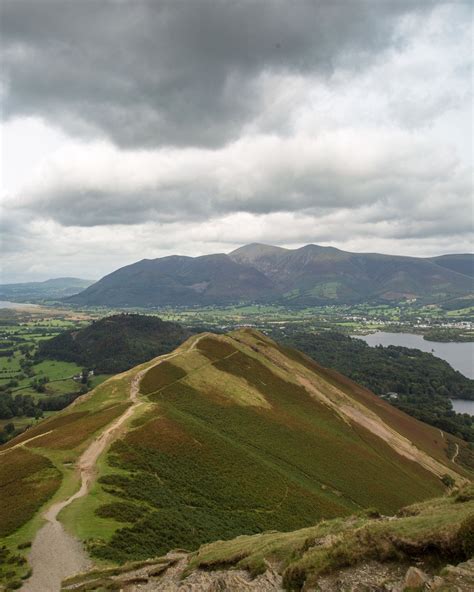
[[411, 331], [459, 355]]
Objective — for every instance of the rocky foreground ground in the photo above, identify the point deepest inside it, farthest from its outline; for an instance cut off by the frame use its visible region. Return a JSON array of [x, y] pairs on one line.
[[169, 575]]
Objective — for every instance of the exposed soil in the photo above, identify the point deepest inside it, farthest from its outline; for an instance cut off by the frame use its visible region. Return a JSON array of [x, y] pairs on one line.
[[456, 453]]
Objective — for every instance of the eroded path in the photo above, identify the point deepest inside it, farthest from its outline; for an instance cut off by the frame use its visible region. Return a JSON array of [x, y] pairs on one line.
[[55, 554], [456, 453]]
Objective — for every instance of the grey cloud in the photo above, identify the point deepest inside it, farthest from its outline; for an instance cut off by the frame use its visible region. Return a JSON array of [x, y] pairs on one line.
[[98, 184], [177, 72]]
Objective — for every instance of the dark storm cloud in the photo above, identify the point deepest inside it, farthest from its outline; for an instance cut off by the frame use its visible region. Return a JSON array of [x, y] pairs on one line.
[[177, 72]]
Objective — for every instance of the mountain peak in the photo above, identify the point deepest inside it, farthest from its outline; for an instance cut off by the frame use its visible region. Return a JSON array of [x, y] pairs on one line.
[[254, 250]]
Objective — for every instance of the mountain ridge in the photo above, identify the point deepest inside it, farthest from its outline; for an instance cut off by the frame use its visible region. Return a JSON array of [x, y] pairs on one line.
[[309, 275], [50, 289]]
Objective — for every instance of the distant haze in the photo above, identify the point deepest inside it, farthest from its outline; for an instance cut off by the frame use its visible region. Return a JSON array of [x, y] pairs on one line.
[[143, 129]]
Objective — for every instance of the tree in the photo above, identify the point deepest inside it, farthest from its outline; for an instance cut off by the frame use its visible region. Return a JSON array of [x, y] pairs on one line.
[[9, 428], [448, 480]]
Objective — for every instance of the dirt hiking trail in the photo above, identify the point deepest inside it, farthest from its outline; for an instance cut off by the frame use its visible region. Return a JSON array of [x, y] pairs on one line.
[[55, 554]]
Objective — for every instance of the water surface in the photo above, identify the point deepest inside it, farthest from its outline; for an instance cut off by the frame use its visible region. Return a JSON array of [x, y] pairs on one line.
[[8, 304], [459, 355], [463, 406]]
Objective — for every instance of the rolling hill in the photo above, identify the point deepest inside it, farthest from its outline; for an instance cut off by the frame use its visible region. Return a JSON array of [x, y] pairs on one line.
[[311, 275], [115, 343], [53, 289]]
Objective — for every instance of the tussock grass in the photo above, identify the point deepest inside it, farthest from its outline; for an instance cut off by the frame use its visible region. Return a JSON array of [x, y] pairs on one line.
[[439, 529]]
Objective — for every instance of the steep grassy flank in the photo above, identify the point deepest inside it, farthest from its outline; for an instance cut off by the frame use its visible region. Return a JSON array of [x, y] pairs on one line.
[[425, 384], [27, 481], [235, 441], [425, 437]]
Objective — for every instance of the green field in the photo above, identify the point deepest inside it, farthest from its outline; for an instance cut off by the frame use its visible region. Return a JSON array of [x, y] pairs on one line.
[[44, 385]]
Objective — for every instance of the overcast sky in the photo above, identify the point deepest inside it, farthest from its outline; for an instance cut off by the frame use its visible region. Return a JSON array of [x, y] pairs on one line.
[[137, 129]]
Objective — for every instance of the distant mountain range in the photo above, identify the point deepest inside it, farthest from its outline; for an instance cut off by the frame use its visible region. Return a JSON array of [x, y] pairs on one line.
[[309, 276], [53, 289]]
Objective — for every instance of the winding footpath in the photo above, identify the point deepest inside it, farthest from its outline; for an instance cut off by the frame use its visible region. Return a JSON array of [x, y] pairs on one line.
[[55, 554], [456, 453]]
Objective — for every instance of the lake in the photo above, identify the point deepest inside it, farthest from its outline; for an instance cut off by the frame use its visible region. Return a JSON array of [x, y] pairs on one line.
[[459, 355], [7, 304], [463, 406]]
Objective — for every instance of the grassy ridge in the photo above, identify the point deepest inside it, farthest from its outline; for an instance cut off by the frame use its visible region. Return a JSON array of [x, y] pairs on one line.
[[229, 441], [424, 383], [232, 444]]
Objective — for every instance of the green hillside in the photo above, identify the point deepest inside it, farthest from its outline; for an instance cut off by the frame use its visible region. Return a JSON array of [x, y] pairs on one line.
[[178, 281], [462, 263], [424, 384], [230, 435], [54, 289], [115, 343], [239, 437], [324, 275]]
